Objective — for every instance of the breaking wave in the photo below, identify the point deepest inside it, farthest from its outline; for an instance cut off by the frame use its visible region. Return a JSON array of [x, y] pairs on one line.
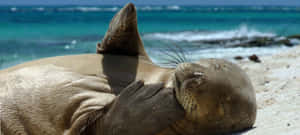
[[13, 9], [150, 8], [88, 9], [173, 7], [191, 36]]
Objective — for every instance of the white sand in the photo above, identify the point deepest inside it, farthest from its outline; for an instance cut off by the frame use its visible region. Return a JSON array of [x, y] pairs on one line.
[[277, 84]]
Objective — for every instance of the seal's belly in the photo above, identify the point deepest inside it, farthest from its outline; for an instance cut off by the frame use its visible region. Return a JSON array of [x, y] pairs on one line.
[[48, 99]]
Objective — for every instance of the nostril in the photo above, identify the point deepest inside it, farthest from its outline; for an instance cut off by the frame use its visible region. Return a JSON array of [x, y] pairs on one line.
[[98, 45]]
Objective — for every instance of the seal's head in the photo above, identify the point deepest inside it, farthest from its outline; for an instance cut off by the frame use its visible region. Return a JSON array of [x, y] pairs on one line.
[[216, 94]]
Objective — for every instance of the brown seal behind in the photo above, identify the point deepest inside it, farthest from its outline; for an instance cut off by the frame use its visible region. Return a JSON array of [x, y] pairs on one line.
[[216, 95]]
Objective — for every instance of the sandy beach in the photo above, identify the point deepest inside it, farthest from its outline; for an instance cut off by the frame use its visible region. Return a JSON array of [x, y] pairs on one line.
[[277, 84], [77, 93]]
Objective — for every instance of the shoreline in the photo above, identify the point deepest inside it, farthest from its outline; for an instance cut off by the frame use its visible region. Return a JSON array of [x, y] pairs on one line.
[[276, 81]]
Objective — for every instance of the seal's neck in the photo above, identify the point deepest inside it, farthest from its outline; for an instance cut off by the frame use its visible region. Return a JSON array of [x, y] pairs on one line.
[[152, 73]]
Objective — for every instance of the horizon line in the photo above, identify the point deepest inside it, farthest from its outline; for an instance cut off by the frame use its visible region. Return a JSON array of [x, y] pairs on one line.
[[227, 5]]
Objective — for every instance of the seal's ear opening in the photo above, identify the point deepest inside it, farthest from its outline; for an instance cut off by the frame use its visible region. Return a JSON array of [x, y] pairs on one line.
[[122, 36]]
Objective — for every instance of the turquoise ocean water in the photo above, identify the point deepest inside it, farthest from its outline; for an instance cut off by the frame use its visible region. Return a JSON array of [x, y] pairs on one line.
[[28, 33]]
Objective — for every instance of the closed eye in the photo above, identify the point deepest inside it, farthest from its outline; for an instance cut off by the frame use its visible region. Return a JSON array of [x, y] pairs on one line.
[[198, 74]]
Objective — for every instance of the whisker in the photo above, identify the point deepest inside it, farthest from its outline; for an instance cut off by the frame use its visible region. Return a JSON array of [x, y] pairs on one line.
[[169, 54], [172, 55], [176, 52]]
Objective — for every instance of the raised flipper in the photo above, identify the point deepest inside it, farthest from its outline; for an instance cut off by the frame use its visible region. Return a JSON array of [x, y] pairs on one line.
[[122, 36]]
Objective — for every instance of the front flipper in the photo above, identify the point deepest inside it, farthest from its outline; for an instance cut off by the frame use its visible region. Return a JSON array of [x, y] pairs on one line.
[[139, 110]]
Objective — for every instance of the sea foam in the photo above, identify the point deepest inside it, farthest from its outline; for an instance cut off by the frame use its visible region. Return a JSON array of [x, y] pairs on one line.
[[13, 9], [174, 7], [192, 36], [88, 9]]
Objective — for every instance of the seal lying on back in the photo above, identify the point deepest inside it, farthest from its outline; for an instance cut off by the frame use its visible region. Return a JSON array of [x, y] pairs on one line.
[[216, 96]]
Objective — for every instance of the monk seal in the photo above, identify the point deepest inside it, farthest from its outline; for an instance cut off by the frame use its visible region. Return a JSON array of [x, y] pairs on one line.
[[216, 95]]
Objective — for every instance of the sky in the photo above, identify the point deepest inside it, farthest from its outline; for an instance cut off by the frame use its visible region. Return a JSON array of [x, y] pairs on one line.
[[152, 2]]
